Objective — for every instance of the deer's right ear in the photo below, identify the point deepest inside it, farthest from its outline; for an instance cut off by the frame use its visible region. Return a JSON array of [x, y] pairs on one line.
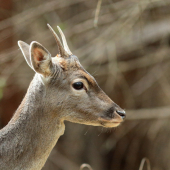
[[25, 51], [37, 57], [40, 59]]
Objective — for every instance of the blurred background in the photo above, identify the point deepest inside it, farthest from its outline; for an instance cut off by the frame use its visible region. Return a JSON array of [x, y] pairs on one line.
[[124, 44]]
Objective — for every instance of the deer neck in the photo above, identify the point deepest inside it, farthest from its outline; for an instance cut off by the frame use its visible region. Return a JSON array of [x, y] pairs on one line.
[[29, 137]]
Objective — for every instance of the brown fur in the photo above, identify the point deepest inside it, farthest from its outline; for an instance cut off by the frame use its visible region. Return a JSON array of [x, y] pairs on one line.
[[37, 53], [27, 140]]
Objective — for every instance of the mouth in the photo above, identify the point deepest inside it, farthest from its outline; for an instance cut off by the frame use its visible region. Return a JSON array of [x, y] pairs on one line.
[[109, 122]]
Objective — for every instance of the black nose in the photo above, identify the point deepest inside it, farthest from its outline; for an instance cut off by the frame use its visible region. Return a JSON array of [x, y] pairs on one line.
[[121, 113]]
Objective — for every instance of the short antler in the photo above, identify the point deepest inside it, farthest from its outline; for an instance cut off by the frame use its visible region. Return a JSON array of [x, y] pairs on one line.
[[64, 41], [62, 51]]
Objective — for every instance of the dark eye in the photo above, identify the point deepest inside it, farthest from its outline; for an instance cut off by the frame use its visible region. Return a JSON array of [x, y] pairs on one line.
[[78, 85]]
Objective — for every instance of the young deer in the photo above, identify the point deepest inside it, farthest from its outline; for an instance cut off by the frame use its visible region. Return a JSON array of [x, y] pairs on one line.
[[61, 90]]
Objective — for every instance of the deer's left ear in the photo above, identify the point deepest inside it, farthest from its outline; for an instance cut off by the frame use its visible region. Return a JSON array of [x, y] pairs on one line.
[[40, 59], [25, 51]]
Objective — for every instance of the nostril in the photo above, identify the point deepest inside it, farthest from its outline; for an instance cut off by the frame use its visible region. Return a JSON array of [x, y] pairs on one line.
[[121, 113]]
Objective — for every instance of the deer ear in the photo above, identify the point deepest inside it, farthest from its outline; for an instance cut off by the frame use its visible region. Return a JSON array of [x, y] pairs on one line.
[[25, 51], [40, 59]]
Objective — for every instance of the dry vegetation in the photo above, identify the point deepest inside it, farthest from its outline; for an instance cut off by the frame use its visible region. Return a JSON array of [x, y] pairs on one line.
[[125, 45]]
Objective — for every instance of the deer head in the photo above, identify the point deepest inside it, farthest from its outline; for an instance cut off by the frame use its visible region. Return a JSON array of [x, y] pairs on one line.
[[72, 94]]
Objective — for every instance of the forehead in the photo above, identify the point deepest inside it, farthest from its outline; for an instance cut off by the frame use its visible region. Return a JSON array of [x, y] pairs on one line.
[[67, 64], [72, 65]]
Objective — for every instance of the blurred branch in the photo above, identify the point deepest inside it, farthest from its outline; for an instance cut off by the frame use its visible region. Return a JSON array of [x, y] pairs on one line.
[[147, 163], [149, 79], [151, 58], [97, 13], [85, 166], [150, 33], [35, 12], [153, 113], [62, 162]]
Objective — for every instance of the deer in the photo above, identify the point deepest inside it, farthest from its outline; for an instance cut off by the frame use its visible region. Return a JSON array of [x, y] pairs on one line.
[[61, 90]]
